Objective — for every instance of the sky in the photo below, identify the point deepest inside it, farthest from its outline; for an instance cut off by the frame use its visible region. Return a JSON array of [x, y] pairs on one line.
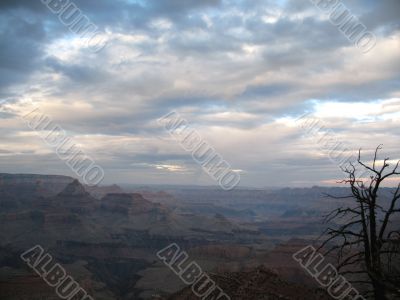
[[240, 72]]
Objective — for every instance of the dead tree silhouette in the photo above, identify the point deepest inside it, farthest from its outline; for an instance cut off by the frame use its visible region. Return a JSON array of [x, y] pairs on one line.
[[362, 234]]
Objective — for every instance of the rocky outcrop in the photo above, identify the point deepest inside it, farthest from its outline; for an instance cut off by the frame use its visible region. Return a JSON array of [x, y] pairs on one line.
[[222, 251], [24, 190], [259, 284], [99, 192], [21, 284], [74, 190], [112, 243], [74, 199], [128, 204], [48, 185]]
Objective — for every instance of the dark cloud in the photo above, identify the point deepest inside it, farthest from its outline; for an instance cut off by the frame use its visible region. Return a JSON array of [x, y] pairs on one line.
[[266, 90], [84, 75], [21, 49], [383, 14], [35, 6]]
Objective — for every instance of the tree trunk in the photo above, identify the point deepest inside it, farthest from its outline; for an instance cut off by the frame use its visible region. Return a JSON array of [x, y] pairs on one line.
[[379, 291]]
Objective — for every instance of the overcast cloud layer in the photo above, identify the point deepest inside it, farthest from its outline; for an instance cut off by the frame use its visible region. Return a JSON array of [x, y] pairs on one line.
[[239, 71]]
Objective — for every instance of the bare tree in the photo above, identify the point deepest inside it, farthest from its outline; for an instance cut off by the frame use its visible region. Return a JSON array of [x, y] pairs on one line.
[[362, 232]]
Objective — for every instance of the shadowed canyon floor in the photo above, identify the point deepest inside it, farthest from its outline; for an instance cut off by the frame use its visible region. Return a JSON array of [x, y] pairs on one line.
[[107, 237]]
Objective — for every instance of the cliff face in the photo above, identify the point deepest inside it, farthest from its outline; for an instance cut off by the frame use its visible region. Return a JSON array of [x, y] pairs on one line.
[[129, 204], [259, 284], [74, 190], [99, 192], [44, 185], [73, 199], [50, 182], [22, 190], [110, 243], [24, 285], [224, 252]]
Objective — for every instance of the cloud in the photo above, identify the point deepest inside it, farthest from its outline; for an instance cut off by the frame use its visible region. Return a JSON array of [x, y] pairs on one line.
[[234, 69]]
